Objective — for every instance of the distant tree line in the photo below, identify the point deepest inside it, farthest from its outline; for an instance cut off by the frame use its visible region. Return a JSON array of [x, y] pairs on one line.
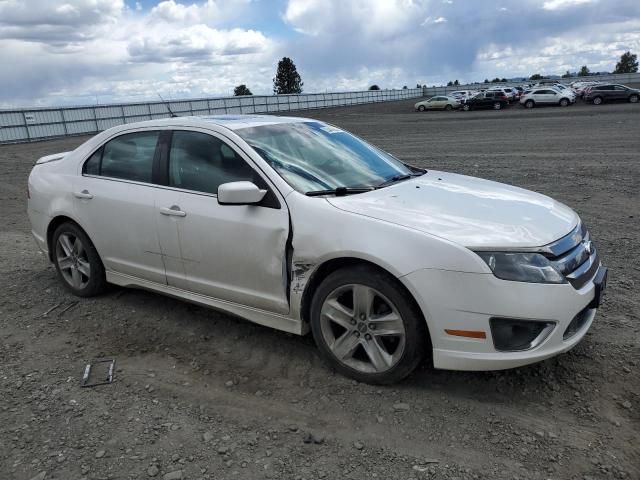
[[288, 80]]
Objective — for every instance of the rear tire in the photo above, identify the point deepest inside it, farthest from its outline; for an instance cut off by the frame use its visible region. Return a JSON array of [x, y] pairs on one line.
[[497, 106], [466, 107], [597, 101], [77, 261], [529, 104], [367, 326], [634, 98]]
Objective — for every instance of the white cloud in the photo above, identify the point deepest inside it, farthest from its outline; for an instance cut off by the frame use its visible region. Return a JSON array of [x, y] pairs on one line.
[[85, 49], [369, 17], [195, 43], [562, 4], [78, 50], [208, 12], [52, 22]]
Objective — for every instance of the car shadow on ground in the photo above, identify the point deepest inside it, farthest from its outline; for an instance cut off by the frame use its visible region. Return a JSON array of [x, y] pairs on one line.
[[226, 345]]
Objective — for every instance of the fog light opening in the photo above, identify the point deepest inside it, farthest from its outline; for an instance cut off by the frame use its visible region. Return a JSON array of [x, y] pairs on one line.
[[512, 335]]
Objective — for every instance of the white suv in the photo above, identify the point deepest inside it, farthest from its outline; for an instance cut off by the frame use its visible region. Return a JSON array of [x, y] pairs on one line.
[[547, 96], [509, 92], [463, 95]]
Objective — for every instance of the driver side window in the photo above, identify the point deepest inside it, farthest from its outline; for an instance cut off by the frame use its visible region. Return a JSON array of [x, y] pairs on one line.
[[201, 162]]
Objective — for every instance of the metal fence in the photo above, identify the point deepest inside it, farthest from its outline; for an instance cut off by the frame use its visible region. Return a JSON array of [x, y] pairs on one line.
[[621, 78], [26, 125]]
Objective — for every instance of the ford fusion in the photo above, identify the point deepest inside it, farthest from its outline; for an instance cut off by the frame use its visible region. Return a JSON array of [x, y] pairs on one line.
[[301, 226]]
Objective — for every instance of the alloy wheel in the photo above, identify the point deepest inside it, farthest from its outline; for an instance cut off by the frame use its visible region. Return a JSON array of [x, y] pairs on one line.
[[362, 328], [73, 261]]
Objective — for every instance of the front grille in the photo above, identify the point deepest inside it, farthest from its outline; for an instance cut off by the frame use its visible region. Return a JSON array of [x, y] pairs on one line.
[[575, 256]]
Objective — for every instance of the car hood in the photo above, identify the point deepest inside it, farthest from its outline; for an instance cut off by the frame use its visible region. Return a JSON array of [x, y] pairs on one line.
[[469, 211]]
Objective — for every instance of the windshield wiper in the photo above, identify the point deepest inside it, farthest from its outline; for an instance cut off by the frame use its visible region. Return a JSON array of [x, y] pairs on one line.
[[339, 191], [399, 178]]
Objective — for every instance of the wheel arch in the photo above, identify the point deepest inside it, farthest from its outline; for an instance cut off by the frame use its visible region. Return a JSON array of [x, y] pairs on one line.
[[55, 223], [329, 266]]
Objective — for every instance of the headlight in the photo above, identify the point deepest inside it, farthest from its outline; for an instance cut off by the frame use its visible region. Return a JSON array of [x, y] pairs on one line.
[[522, 267]]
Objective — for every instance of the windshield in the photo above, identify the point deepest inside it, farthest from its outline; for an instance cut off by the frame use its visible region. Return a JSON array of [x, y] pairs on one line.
[[313, 156]]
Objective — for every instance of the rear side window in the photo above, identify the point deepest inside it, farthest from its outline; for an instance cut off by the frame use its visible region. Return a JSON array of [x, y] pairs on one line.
[[129, 157], [201, 163]]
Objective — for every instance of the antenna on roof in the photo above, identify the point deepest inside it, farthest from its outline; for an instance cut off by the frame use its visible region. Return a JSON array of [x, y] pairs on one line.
[[171, 114]]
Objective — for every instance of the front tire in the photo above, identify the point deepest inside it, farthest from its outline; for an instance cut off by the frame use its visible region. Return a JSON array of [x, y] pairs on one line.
[[597, 101], [497, 106], [367, 326], [564, 102], [466, 107], [529, 104], [77, 262], [634, 98], [448, 108], [421, 108]]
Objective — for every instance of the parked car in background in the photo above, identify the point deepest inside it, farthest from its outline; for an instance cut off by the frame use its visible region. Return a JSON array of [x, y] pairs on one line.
[[441, 102], [495, 99], [298, 225], [518, 91], [547, 96], [463, 94], [608, 92], [508, 92], [581, 87]]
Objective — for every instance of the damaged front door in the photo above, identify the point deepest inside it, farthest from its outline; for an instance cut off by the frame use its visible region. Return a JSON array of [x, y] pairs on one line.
[[229, 252]]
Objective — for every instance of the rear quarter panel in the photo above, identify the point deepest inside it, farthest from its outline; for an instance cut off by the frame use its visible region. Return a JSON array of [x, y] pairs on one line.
[[51, 194]]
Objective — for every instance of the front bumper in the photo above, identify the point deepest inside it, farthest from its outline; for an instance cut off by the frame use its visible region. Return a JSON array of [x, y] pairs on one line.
[[467, 301]]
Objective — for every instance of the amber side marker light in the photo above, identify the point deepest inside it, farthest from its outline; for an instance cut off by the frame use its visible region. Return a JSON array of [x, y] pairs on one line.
[[466, 333]]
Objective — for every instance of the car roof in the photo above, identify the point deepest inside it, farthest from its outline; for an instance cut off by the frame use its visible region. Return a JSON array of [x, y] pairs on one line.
[[232, 122]]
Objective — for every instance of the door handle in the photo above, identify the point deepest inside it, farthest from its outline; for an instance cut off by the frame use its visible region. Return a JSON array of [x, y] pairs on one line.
[[83, 194], [173, 211]]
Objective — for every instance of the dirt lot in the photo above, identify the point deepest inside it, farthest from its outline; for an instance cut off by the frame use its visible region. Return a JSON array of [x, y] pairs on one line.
[[200, 394]]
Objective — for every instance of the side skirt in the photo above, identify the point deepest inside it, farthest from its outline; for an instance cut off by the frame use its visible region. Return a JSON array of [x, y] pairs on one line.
[[255, 315]]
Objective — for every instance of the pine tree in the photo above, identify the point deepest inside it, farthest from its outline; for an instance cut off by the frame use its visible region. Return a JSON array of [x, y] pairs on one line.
[[584, 71], [628, 63], [287, 79]]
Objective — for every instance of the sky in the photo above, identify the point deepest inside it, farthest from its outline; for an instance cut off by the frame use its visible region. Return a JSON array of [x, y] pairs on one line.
[[62, 52]]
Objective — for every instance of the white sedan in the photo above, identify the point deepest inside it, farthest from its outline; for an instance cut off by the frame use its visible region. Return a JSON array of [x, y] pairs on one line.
[[547, 96], [298, 225]]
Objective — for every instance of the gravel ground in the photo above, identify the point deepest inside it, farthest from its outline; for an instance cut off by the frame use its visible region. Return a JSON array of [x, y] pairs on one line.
[[200, 394]]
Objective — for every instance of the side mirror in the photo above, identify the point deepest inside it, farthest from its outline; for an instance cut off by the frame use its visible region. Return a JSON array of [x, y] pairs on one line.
[[240, 193]]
